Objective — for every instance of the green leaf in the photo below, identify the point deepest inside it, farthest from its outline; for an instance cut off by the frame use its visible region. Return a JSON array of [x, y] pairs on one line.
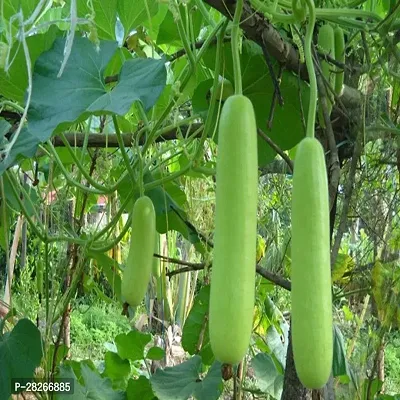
[[57, 101], [132, 17], [139, 79], [4, 127], [287, 128], [25, 146], [116, 369], [183, 380], [344, 263], [20, 354], [212, 385], [14, 83], [153, 25], [66, 372], [167, 202], [196, 322], [348, 315], [168, 32], [269, 380], [274, 342], [62, 352], [201, 104], [140, 389], [105, 16], [339, 365], [131, 345], [375, 387], [93, 387], [12, 7], [110, 269], [155, 353]]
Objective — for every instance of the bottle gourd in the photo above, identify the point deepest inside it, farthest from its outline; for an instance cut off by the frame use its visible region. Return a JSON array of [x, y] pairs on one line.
[[326, 42], [340, 57], [311, 318], [233, 268], [139, 263]]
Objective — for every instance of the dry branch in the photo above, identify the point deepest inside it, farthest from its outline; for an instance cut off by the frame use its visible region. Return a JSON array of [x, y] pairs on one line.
[[272, 277]]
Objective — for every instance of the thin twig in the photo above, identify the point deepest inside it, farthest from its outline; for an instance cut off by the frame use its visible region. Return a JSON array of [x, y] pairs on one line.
[[171, 260], [276, 148], [274, 98], [274, 278], [275, 81]]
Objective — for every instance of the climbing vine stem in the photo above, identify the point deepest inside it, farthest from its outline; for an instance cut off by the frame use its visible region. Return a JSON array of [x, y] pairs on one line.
[[310, 68], [235, 41]]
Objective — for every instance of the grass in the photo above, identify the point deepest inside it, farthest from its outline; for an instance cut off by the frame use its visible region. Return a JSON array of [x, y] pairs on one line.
[[92, 326]]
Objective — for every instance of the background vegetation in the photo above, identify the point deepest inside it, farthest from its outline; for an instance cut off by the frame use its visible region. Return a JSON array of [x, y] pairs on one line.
[[101, 100]]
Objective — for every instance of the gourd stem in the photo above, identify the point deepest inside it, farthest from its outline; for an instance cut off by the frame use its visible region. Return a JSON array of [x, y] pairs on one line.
[[311, 70], [235, 39]]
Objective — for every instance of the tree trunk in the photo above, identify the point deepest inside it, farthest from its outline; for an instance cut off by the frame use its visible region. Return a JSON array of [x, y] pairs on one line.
[[381, 364], [292, 387]]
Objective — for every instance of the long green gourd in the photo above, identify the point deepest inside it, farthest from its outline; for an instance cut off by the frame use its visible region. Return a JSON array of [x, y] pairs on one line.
[[232, 292], [139, 263], [340, 57], [311, 316], [326, 41], [233, 267]]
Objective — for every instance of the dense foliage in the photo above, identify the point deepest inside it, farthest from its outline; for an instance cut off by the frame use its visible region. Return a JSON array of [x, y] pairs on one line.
[[104, 101]]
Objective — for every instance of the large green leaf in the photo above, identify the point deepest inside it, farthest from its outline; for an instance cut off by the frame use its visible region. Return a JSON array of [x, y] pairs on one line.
[[169, 214], [274, 342], [131, 17], [155, 353], [14, 83], [116, 369], [4, 128], [196, 327], [168, 32], [269, 380], [370, 389], [110, 268], [12, 7], [139, 79], [287, 129], [20, 354], [131, 345], [183, 380], [339, 365], [91, 385], [66, 372], [140, 389], [13, 202], [105, 16], [168, 201], [25, 146], [211, 386], [58, 102]]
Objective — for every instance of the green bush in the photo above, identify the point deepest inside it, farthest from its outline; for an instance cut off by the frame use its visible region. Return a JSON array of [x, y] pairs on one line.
[[93, 326], [392, 364]]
